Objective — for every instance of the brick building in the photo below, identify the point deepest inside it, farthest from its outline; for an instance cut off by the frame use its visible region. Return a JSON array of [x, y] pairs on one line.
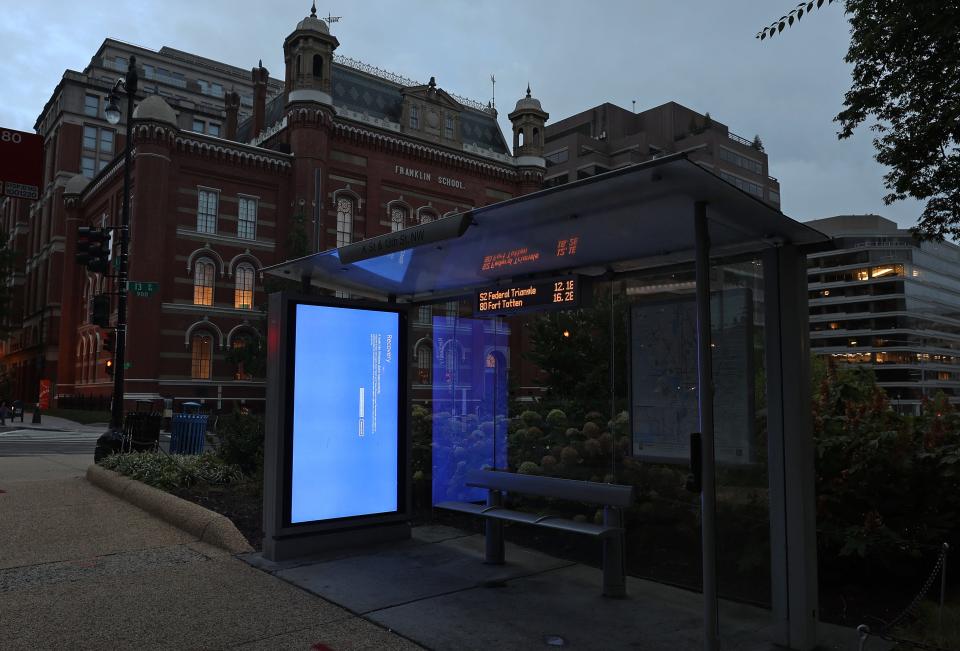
[[231, 172], [607, 137]]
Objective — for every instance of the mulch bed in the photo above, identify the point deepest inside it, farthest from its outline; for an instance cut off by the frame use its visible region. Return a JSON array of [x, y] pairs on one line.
[[242, 502]]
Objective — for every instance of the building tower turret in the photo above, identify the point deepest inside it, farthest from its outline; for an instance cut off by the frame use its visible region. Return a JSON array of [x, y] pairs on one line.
[[528, 119], [308, 55]]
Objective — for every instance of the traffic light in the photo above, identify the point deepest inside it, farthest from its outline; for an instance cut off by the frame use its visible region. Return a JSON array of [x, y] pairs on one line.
[[100, 310], [93, 248], [108, 341], [109, 367]]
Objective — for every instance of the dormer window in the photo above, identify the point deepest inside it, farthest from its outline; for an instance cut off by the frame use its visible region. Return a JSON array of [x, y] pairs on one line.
[[318, 66], [414, 117]]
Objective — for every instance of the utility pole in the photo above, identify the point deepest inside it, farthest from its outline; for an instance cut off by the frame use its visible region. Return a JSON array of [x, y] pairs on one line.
[[110, 441]]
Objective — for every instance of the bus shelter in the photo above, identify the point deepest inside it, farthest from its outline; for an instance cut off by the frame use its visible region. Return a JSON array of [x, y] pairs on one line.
[[585, 332]]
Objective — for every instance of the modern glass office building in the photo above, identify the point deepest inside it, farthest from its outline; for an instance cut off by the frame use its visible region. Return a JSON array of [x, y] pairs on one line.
[[885, 300]]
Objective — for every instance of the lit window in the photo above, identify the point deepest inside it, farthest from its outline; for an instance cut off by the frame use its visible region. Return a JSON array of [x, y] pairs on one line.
[[344, 221], [414, 117], [243, 290], [91, 105], [398, 218], [426, 217], [247, 218], [201, 354], [207, 211], [203, 283]]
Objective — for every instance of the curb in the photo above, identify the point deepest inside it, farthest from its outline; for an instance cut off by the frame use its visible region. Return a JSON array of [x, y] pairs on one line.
[[208, 526]]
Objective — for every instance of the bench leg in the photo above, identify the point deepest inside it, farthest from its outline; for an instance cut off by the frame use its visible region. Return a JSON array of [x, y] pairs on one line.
[[494, 532], [614, 550]]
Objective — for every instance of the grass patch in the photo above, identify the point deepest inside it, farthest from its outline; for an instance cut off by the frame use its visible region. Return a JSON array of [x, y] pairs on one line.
[[77, 415], [168, 472]]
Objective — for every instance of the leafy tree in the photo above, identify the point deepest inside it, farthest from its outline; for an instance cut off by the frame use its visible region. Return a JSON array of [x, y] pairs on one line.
[[906, 82], [573, 349], [249, 356]]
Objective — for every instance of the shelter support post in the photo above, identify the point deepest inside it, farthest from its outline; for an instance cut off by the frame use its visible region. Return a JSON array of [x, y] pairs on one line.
[[793, 520], [493, 530], [708, 498], [614, 552]]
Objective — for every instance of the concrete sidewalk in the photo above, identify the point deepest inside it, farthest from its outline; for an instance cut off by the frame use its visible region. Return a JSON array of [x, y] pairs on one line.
[[80, 568]]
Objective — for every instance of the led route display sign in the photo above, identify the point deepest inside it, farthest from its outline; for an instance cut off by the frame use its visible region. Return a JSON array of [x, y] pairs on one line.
[[551, 293]]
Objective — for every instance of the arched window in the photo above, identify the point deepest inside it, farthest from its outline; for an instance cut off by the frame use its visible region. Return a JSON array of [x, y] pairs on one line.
[[201, 354], [318, 66], [427, 216], [239, 343], [203, 282], [536, 136], [520, 137], [344, 220], [425, 363], [243, 288], [398, 218]]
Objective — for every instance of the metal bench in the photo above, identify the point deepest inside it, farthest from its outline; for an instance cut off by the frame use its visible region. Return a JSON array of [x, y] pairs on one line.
[[612, 497]]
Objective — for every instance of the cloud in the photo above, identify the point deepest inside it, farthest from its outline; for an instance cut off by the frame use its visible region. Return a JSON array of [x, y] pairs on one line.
[[700, 53]]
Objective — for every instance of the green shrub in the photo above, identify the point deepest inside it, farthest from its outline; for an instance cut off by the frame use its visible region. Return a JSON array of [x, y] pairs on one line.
[[172, 471], [240, 442]]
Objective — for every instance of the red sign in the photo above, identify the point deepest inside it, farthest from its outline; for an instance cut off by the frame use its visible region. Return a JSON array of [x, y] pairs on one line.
[[21, 164], [44, 394]]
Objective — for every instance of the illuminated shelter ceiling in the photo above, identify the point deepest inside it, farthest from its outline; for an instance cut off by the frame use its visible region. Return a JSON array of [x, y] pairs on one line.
[[637, 217]]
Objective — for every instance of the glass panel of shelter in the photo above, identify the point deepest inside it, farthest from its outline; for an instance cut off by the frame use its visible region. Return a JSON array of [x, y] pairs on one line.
[[607, 393]]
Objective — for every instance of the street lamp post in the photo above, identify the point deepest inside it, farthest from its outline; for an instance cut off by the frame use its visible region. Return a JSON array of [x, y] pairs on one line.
[[110, 441]]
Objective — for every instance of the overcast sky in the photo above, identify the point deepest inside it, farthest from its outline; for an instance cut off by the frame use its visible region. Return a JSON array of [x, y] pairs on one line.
[[575, 54]]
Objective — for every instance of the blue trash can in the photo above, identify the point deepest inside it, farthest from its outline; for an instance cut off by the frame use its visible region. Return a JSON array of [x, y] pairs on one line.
[[188, 433]]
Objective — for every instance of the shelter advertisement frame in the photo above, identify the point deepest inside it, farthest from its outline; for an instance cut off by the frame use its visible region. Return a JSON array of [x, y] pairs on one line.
[[284, 537]]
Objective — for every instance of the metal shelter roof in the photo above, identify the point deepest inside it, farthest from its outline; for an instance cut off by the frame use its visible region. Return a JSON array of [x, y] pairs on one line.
[[636, 217]]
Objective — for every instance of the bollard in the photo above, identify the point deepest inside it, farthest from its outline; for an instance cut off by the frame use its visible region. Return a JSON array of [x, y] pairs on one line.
[[36, 415], [943, 586]]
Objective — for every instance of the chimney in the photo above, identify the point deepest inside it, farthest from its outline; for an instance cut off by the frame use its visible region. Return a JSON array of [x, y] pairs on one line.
[[232, 103], [260, 77]]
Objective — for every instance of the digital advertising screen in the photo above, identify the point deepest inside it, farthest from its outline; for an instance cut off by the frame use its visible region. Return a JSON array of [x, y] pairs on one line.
[[346, 401]]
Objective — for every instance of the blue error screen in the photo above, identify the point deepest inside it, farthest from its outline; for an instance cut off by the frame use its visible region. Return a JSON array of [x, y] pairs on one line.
[[345, 408]]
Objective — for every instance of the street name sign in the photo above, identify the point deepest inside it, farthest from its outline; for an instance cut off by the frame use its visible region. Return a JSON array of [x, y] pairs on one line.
[[142, 289]]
